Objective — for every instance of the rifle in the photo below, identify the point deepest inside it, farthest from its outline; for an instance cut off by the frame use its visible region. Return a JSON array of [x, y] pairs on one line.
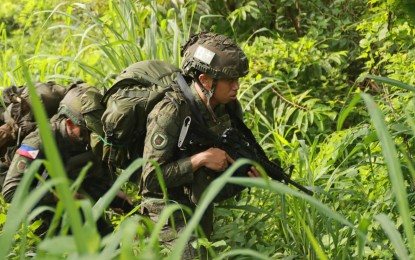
[[238, 141], [238, 144]]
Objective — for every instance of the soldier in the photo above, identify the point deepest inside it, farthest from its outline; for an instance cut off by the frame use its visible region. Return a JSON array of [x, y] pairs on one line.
[[212, 65], [17, 119], [78, 115]]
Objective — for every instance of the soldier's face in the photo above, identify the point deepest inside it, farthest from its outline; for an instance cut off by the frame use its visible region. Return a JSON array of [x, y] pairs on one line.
[[226, 90], [76, 133]]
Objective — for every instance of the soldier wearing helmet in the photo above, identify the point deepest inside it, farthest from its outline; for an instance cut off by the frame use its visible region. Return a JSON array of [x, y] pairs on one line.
[[17, 119], [78, 115], [212, 66]]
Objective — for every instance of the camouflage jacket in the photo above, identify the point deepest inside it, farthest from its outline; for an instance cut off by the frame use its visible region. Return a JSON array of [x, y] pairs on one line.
[[161, 145], [74, 156]]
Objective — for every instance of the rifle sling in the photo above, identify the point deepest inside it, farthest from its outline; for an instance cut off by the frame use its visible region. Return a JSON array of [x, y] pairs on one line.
[[201, 127]]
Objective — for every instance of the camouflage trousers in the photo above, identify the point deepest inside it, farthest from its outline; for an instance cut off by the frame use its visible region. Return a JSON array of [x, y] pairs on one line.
[[168, 237], [172, 229]]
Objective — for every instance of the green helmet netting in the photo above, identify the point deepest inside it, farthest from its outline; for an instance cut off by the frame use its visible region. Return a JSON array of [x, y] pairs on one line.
[[82, 105], [214, 54]]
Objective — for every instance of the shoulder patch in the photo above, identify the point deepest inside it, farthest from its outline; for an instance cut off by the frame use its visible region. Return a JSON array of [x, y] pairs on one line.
[[21, 166], [159, 141], [28, 152]]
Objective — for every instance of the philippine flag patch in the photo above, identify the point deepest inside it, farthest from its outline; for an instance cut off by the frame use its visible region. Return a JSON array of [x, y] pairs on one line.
[[28, 152]]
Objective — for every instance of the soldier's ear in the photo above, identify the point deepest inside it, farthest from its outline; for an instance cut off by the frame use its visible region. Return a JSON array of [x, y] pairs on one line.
[[72, 127], [206, 81], [69, 123], [74, 131]]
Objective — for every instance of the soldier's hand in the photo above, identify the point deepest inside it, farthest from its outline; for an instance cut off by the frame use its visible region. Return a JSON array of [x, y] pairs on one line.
[[253, 172], [122, 203], [213, 158], [123, 196]]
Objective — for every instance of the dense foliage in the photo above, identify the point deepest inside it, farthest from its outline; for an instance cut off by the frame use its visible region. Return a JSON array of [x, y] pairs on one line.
[[329, 92]]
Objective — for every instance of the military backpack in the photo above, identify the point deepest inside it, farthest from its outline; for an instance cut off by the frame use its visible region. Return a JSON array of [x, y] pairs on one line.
[[127, 104], [18, 118]]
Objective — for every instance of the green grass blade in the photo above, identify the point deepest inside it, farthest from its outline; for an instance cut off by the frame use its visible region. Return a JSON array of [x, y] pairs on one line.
[[208, 195], [105, 200], [56, 169], [164, 216], [394, 168], [58, 245], [127, 241], [394, 236], [391, 82], [317, 248], [242, 253], [21, 205], [281, 188], [346, 111]]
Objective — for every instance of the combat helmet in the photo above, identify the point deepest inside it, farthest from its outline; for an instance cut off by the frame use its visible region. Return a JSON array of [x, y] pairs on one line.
[[50, 94], [82, 105], [214, 54]]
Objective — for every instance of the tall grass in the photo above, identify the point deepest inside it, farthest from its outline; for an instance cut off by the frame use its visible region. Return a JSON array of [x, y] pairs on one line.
[[360, 209]]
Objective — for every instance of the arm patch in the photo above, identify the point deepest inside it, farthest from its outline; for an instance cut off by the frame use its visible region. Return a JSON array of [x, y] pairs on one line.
[[28, 152]]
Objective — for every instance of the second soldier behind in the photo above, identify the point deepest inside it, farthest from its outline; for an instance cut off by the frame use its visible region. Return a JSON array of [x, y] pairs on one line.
[[78, 115]]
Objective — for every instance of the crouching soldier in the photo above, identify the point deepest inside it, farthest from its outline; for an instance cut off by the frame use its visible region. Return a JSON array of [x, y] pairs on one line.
[[78, 115], [17, 119]]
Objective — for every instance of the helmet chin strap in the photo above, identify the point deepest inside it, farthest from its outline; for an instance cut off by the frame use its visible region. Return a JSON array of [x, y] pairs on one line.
[[208, 94]]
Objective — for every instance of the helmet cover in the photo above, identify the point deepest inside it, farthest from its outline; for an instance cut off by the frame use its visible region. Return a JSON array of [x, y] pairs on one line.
[[214, 54]]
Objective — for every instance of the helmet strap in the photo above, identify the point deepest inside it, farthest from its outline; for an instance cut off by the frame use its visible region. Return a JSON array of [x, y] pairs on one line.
[[208, 94]]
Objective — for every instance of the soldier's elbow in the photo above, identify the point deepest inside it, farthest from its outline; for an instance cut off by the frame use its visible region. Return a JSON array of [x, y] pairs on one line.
[[151, 183], [7, 195]]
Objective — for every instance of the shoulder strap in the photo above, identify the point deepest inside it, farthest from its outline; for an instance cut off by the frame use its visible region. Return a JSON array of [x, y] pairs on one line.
[[129, 82], [189, 99], [146, 73]]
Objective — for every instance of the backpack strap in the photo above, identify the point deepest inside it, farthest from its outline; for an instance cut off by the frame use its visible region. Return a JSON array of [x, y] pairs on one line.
[[189, 99], [130, 82]]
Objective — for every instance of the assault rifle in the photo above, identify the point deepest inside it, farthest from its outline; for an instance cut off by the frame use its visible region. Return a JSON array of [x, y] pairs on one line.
[[237, 145], [238, 141]]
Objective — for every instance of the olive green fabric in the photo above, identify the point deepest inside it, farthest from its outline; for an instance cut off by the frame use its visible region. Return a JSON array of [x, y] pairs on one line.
[[129, 100], [49, 93], [183, 186], [214, 54], [79, 101], [74, 156], [19, 113], [97, 181], [82, 99], [19, 119]]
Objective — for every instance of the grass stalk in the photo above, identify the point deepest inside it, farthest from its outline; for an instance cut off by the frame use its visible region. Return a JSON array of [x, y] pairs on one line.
[[56, 169], [394, 168]]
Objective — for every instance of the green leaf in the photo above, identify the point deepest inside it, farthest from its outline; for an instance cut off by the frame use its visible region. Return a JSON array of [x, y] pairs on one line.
[[58, 245], [390, 82], [394, 236], [394, 168]]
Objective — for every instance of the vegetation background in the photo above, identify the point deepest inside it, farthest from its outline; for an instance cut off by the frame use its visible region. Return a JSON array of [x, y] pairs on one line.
[[329, 91]]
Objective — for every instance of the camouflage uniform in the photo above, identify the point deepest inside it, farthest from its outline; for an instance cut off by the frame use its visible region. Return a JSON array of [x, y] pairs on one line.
[[74, 155], [6, 150], [183, 186], [209, 56], [79, 106], [18, 119]]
